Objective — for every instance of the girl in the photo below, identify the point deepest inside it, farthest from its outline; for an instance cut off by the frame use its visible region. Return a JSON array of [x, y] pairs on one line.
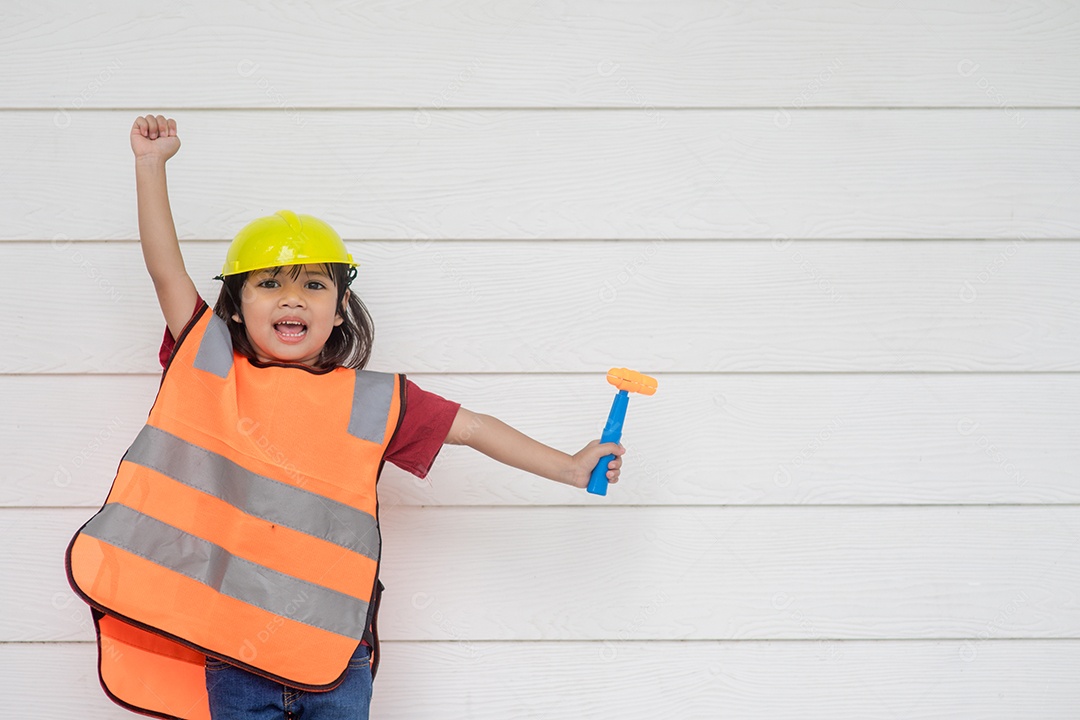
[[233, 570]]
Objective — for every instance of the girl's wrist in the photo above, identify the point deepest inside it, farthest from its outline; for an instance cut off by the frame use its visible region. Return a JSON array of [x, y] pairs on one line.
[[568, 473], [150, 161]]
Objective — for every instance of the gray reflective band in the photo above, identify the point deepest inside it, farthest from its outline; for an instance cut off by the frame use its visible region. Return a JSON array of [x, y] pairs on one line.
[[372, 394], [254, 494], [214, 566], [215, 351]]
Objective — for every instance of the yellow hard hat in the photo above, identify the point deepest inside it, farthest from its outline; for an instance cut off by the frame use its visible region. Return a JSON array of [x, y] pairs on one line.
[[284, 238]]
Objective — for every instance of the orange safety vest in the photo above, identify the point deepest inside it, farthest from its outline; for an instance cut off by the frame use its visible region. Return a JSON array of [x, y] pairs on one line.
[[242, 524]]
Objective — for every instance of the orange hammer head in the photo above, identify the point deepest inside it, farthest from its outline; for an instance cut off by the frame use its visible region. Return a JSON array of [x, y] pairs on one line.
[[631, 381]]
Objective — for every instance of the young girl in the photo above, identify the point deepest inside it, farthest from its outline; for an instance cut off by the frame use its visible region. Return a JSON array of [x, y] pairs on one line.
[[233, 570]]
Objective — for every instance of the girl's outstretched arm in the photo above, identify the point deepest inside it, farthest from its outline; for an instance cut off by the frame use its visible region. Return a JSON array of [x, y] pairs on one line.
[[498, 440], [154, 141]]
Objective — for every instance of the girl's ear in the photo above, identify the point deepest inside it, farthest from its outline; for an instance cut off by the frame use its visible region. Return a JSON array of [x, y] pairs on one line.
[[237, 319], [338, 319]]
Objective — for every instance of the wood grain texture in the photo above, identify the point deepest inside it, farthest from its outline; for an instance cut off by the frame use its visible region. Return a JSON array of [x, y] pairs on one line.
[[656, 573], [736, 439], [564, 174], [775, 680], [842, 234], [541, 307], [540, 53]]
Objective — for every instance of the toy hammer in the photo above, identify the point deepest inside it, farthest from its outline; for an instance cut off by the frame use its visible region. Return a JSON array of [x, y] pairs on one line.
[[626, 381]]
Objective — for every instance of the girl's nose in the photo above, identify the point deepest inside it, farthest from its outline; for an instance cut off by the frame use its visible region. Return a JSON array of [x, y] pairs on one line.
[[292, 296]]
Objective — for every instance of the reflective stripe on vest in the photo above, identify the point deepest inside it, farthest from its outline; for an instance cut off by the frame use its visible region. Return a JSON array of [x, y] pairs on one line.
[[242, 523], [217, 568], [255, 494]]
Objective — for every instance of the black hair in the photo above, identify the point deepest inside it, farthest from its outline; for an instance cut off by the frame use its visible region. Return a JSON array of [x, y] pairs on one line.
[[349, 344]]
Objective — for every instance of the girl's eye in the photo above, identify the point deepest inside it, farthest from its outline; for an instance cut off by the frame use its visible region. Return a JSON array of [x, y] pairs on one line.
[[315, 285], [268, 284]]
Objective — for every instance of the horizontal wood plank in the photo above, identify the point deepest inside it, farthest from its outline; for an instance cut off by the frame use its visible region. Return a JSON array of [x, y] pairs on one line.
[[539, 53], [652, 573], [854, 495], [752, 680], [702, 439], [567, 174], [656, 306]]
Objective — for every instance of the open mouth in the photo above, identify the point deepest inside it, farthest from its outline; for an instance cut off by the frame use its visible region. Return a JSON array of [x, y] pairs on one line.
[[290, 330]]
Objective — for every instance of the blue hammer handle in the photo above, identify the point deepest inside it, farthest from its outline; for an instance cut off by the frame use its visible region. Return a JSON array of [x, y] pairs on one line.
[[598, 481]]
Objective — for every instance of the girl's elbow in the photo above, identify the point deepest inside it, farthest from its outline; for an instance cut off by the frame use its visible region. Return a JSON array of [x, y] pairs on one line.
[[466, 426]]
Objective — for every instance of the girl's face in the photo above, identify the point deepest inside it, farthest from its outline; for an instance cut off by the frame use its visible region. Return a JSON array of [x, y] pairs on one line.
[[289, 316]]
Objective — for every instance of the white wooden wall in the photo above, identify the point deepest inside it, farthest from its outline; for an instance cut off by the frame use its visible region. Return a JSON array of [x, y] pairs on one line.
[[844, 236]]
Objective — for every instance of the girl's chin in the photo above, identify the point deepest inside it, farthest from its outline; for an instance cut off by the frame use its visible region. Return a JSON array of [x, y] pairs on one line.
[[293, 358]]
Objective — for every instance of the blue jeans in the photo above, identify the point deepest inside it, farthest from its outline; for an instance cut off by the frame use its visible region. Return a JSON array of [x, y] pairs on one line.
[[236, 694]]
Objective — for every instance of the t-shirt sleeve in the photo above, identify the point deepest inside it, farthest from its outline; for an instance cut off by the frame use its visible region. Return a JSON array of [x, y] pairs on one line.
[[168, 343], [424, 428]]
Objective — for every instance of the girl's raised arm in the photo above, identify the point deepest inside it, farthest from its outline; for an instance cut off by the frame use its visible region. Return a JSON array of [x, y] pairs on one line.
[[154, 141]]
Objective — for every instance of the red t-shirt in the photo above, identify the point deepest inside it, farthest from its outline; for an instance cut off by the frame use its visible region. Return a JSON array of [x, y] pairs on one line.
[[424, 426]]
